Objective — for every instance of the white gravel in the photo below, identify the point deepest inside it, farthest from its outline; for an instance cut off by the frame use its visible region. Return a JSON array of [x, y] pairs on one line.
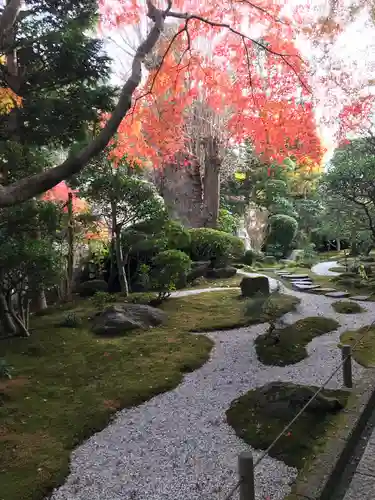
[[323, 268], [178, 446]]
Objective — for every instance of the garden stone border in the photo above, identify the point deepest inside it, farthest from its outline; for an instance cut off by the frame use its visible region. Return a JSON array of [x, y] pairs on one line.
[[319, 477]]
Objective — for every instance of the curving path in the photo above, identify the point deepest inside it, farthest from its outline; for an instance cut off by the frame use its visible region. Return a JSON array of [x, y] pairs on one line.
[[323, 268], [178, 444]]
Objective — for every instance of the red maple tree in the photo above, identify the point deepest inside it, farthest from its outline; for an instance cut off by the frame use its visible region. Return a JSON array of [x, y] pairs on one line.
[[252, 79]]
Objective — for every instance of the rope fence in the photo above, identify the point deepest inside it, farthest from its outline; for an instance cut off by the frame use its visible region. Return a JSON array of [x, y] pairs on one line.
[[246, 466]]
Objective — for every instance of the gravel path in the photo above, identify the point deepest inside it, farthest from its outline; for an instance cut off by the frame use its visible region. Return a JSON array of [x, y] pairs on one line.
[[323, 268], [178, 445]]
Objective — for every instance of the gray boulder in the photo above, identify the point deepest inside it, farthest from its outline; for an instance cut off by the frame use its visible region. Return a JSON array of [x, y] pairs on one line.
[[284, 398], [258, 285], [121, 318]]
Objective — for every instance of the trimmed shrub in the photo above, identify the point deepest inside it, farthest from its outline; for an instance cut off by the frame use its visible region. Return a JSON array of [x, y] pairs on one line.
[[222, 272], [89, 288], [251, 256], [214, 245], [168, 269], [283, 229]]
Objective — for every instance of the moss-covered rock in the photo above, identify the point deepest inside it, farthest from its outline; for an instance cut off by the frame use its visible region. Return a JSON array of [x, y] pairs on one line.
[[347, 307], [259, 416], [286, 346]]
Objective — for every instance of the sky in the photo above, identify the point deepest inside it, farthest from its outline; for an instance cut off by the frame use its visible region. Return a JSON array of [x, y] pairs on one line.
[[354, 50]]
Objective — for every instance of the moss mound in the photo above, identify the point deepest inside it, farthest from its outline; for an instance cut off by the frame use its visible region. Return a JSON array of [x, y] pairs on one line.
[[364, 352], [260, 415], [347, 307], [287, 346]]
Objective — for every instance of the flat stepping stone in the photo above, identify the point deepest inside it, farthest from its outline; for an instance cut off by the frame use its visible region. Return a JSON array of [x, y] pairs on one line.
[[337, 295], [301, 280], [306, 287], [310, 283], [299, 276], [327, 290], [360, 297]]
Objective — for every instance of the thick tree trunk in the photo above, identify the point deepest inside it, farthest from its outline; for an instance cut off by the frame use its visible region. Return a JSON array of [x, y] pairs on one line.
[[338, 244], [181, 188], [211, 183]]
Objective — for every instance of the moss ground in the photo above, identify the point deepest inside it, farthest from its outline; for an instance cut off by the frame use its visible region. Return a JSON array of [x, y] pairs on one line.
[[347, 307], [287, 345], [364, 352], [68, 383], [258, 424]]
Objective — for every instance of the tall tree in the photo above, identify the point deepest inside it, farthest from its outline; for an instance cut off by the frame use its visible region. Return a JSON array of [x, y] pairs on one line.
[[216, 21]]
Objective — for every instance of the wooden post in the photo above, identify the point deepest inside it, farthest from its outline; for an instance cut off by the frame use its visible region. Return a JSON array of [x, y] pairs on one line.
[[347, 366], [246, 473]]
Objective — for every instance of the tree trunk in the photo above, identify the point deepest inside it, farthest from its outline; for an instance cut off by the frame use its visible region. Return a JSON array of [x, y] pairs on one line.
[[116, 232], [338, 245], [70, 238], [211, 183], [120, 265], [7, 325]]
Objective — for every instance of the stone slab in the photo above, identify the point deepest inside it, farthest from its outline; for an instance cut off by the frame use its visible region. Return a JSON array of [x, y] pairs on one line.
[[301, 280], [360, 297], [361, 488], [337, 295], [306, 287], [367, 462], [299, 276], [327, 290]]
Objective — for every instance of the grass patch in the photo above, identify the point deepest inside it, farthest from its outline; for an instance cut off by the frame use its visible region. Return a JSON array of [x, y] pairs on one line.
[[287, 346], [347, 307], [260, 415], [364, 352], [68, 382], [216, 283]]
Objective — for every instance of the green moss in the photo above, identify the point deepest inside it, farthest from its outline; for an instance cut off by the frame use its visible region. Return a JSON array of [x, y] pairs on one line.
[[347, 307], [67, 382], [364, 352], [287, 346], [258, 422]]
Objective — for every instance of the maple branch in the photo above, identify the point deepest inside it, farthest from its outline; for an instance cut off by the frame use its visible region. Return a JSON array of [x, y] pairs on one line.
[[188, 17], [27, 188]]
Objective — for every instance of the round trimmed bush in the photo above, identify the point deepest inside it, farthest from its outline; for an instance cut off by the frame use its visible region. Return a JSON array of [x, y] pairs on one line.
[[214, 245], [283, 229], [169, 268]]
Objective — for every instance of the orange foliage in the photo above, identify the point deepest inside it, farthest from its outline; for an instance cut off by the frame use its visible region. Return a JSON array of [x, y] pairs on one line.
[[228, 76]]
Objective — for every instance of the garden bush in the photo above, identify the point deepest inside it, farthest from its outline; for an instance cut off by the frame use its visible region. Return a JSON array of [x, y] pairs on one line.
[[214, 245], [251, 256], [283, 229], [168, 269]]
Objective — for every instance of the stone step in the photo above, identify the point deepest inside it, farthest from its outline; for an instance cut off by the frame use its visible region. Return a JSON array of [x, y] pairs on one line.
[[305, 288], [327, 290], [301, 280], [337, 294], [305, 283], [298, 276], [360, 297]]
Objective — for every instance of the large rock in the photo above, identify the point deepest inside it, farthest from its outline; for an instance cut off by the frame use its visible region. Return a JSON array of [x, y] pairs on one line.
[[121, 318], [198, 270], [89, 288], [284, 398], [221, 272], [258, 285]]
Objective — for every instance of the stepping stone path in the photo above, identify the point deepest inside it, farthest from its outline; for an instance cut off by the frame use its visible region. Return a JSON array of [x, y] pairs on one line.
[[337, 295], [360, 297]]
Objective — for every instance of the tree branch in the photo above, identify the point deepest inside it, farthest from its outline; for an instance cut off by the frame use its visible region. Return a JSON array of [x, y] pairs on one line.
[[32, 186]]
